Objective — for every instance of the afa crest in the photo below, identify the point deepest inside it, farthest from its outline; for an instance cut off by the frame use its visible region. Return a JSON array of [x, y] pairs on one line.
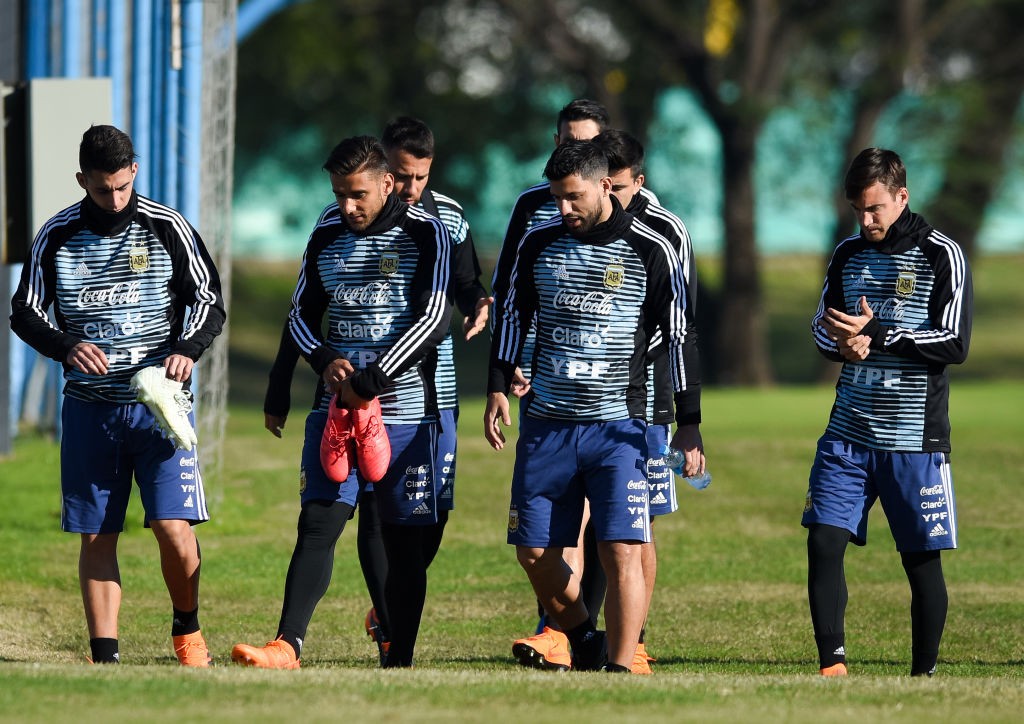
[[138, 259], [905, 283], [388, 263], [513, 520], [614, 274]]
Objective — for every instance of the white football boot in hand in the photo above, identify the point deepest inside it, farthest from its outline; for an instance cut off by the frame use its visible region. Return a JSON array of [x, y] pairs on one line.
[[169, 404]]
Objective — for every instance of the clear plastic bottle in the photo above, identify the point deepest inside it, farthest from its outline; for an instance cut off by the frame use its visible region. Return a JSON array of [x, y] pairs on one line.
[[676, 461]]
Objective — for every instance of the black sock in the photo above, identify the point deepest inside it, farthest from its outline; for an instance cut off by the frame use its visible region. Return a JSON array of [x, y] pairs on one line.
[[184, 622], [928, 605], [827, 592], [309, 572], [589, 647], [643, 631], [104, 651], [294, 641]]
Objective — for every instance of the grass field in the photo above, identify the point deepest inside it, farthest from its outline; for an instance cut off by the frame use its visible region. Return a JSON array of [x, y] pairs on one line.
[[729, 625]]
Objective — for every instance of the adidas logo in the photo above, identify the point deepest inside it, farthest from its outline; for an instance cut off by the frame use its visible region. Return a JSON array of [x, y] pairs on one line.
[[937, 531], [659, 498], [340, 265], [421, 509], [561, 272], [841, 651], [638, 523], [188, 503], [82, 270]]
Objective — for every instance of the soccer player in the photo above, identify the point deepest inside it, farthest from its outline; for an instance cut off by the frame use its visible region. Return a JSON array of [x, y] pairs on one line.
[[580, 120], [596, 284], [895, 309], [625, 156], [409, 146], [132, 287], [379, 270]]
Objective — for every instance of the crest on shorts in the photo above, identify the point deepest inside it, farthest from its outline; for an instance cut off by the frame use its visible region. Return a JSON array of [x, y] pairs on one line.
[[808, 502], [138, 259], [388, 263], [905, 283], [513, 520], [614, 273], [302, 480]]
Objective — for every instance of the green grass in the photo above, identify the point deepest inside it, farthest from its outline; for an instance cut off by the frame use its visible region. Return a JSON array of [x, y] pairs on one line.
[[729, 624]]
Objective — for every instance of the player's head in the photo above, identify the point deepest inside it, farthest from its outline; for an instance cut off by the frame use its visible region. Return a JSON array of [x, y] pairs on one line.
[[106, 158], [876, 187], [578, 175], [625, 157], [409, 146], [580, 120], [360, 180]]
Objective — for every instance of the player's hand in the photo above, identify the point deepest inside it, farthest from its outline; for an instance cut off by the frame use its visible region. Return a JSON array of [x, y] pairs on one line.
[[338, 370], [274, 423], [88, 358], [475, 325], [178, 367], [496, 411], [841, 326], [348, 396], [855, 349], [688, 439], [520, 385]]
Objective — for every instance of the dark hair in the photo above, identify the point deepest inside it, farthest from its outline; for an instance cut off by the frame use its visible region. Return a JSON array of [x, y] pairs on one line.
[[875, 165], [106, 149], [356, 154], [408, 134], [583, 109], [622, 150], [576, 157]]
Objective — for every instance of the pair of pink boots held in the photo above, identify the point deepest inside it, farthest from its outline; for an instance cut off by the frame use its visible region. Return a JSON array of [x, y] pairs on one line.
[[358, 436]]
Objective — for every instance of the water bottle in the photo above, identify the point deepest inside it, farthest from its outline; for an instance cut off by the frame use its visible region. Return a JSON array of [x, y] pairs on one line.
[[676, 461]]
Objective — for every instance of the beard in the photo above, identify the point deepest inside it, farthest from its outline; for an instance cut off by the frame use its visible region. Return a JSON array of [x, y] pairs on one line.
[[579, 224]]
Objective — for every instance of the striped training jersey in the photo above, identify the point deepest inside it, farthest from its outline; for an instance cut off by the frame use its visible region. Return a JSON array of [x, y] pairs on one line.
[[596, 301], [465, 288], [918, 285], [645, 207], [139, 284], [534, 206], [384, 295]]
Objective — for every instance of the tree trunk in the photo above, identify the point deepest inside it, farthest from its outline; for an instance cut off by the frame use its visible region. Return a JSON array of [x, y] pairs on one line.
[[976, 163], [742, 348]]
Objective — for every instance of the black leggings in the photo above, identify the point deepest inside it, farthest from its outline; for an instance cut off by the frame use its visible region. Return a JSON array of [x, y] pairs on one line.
[[410, 551], [309, 573], [373, 558], [827, 593]]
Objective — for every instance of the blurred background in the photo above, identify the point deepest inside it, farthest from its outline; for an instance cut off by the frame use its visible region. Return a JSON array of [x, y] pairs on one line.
[[749, 111]]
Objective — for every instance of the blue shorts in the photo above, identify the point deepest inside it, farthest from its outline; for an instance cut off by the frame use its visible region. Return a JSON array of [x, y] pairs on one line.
[[446, 444], [559, 463], [915, 489], [408, 492], [104, 445], [661, 483]]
